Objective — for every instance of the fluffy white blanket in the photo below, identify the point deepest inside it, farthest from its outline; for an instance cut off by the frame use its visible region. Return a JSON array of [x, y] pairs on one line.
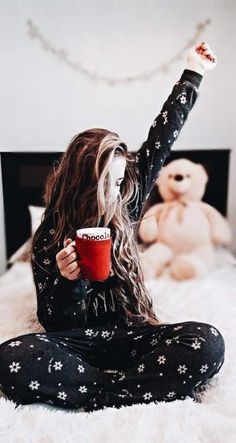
[[211, 299]]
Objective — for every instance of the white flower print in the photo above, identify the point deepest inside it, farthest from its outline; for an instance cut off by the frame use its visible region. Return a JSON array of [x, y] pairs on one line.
[[15, 343], [171, 394], [196, 344], [49, 366], [52, 231], [141, 368], [154, 341], [49, 311], [147, 396], [57, 365], [105, 334], [130, 332], [161, 360], [203, 339], [133, 352], [62, 395], [176, 337], [34, 385], [177, 328], [164, 114], [168, 341], [138, 337], [147, 152], [82, 389], [204, 368], [46, 261], [175, 133], [41, 286], [214, 331], [127, 392], [183, 99], [182, 369], [55, 281], [121, 377], [154, 123], [89, 332], [81, 368], [15, 366], [43, 339], [157, 145]]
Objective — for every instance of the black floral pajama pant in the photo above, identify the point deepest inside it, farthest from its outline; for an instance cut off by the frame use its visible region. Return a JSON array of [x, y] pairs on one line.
[[111, 366]]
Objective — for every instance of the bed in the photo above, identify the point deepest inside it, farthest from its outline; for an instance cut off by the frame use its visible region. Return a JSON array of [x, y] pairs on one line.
[[211, 299]]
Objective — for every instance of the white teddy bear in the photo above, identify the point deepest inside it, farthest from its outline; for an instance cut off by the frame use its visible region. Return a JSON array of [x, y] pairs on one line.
[[182, 232]]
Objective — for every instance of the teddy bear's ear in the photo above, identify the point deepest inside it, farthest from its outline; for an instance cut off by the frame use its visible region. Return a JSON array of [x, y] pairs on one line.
[[203, 171]]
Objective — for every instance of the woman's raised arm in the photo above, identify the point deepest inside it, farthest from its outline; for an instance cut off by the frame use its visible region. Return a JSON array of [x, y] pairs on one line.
[[166, 127]]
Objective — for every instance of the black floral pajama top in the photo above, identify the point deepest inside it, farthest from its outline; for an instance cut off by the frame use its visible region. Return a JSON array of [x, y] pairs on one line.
[[90, 355]]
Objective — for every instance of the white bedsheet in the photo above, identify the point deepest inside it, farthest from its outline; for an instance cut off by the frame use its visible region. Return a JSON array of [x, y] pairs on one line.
[[211, 299]]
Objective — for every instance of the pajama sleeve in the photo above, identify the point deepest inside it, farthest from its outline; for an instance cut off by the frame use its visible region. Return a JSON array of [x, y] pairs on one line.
[[163, 132], [61, 303]]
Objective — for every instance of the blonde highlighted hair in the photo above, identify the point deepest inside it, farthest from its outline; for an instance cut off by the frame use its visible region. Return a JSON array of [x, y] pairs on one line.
[[76, 196]]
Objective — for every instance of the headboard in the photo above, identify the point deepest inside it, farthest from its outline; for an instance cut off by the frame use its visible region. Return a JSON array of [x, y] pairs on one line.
[[24, 175]]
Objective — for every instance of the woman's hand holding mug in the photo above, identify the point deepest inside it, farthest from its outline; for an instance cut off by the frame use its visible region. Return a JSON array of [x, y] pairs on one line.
[[67, 260], [88, 257]]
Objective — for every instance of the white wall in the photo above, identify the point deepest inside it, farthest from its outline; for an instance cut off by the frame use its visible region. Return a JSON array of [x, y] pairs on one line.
[[44, 102], [2, 228]]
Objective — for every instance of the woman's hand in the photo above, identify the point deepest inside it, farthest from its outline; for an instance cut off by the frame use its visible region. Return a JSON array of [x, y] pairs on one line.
[[200, 58], [67, 260]]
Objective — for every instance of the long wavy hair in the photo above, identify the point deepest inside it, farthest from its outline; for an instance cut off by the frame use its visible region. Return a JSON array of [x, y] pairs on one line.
[[75, 196]]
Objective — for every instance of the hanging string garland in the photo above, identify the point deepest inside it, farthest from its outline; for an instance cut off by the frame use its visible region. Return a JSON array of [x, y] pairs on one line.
[[34, 33]]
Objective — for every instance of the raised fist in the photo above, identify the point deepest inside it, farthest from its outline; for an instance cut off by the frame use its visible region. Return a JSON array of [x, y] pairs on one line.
[[200, 58]]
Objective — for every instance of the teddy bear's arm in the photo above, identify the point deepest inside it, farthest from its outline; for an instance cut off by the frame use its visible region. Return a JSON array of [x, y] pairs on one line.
[[148, 229], [220, 230], [164, 131]]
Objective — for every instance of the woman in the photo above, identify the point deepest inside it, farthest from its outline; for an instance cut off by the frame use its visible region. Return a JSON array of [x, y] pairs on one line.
[[103, 344]]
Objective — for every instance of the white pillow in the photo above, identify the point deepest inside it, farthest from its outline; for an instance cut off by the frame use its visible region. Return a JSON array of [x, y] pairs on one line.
[[36, 213], [23, 253]]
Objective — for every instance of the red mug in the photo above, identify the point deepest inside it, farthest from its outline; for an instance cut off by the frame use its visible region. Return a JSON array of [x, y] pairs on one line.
[[94, 258]]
